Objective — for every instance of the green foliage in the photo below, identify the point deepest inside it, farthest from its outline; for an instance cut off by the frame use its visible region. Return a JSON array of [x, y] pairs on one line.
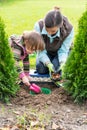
[[8, 74], [75, 70]]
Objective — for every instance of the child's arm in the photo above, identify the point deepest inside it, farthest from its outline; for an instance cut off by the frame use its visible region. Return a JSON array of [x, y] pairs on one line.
[[26, 65]]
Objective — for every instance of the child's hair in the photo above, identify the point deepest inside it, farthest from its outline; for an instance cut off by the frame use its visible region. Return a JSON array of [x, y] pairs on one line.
[[53, 18], [34, 40]]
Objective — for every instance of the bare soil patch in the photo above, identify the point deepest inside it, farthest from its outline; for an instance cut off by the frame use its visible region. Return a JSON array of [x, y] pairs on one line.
[[56, 111]]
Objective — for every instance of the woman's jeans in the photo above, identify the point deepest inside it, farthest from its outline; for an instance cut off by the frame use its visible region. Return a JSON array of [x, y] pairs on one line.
[[42, 69]]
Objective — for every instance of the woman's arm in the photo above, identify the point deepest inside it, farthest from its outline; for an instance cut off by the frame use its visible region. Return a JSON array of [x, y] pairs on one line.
[[63, 52]]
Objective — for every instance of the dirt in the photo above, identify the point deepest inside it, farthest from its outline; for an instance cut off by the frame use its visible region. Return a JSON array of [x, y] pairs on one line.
[[55, 111]]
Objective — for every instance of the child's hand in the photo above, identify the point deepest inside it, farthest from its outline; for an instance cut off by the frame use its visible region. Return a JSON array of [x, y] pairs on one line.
[[26, 81], [29, 78]]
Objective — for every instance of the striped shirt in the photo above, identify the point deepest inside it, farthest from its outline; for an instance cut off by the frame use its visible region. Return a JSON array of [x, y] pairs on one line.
[[20, 54]]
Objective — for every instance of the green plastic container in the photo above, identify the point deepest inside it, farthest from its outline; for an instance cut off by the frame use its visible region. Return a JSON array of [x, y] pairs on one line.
[[46, 90], [43, 90]]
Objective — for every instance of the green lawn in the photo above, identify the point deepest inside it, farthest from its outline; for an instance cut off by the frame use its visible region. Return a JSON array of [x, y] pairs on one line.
[[20, 15]]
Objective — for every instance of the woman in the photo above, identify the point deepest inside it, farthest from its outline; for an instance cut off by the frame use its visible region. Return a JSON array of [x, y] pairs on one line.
[[22, 46], [57, 33]]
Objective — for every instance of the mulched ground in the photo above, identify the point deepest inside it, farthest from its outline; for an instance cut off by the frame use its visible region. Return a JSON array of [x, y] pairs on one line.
[[56, 111]]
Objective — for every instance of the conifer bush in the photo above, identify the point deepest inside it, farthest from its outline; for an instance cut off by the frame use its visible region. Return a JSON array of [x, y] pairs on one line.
[[75, 70], [8, 73]]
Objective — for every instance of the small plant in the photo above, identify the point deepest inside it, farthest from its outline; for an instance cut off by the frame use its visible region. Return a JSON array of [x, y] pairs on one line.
[[2, 108], [75, 71], [44, 119], [22, 121], [8, 73], [33, 120]]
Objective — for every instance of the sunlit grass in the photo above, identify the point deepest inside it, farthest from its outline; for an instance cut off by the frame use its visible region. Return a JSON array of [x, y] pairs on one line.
[[32, 59], [20, 15]]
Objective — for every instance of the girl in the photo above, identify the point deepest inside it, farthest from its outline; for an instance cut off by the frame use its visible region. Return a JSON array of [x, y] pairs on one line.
[[22, 46]]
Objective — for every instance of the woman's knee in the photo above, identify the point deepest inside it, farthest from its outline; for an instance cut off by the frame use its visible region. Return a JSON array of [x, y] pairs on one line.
[[41, 69]]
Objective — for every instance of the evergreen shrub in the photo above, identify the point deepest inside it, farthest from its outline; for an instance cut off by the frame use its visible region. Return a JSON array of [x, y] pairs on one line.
[[75, 70], [8, 73]]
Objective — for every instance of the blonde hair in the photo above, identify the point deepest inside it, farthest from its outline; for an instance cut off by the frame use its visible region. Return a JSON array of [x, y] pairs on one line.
[[34, 40]]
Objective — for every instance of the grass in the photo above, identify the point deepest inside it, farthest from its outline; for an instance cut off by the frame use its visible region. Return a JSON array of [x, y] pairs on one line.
[[20, 15], [32, 59], [34, 120]]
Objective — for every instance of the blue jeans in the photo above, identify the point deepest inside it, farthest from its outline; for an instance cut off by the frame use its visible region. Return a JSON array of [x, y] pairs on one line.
[[42, 69]]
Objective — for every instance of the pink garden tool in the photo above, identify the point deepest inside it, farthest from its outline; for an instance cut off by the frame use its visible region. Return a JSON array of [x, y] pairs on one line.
[[35, 88]]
